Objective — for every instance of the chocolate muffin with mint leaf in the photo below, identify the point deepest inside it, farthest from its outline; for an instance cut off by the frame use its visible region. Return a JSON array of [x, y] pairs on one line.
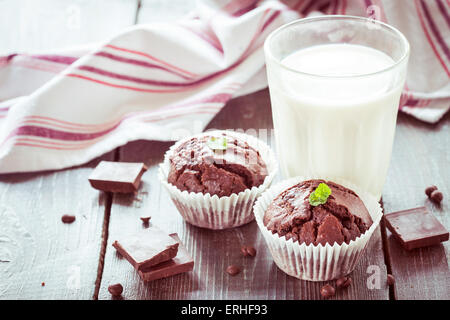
[[219, 165], [318, 212]]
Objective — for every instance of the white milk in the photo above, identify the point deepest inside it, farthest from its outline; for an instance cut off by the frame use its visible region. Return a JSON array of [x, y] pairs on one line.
[[336, 126]]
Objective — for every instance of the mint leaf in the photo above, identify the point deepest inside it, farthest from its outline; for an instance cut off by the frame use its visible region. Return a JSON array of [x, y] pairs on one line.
[[320, 195], [217, 143]]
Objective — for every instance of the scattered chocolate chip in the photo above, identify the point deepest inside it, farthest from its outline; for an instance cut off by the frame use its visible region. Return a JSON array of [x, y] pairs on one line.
[[67, 218], [251, 251], [115, 289], [248, 251], [43, 284], [233, 270], [145, 220], [327, 291], [429, 190], [436, 196], [390, 279], [344, 282]]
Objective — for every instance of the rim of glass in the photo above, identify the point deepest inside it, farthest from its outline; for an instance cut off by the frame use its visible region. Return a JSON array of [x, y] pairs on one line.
[[338, 17]]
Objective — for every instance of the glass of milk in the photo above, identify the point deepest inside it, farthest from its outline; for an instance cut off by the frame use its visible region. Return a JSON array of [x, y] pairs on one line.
[[335, 84]]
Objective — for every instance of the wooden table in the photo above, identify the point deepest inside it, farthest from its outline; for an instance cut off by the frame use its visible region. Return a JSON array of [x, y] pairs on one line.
[[77, 261]]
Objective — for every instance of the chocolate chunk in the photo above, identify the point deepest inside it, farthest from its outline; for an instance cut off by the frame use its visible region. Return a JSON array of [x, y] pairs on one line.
[[147, 248], [429, 190], [115, 289], [145, 220], [344, 282], [307, 232], [327, 291], [436, 196], [233, 270], [330, 231], [120, 177], [183, 262], [416, 228], [68, 218], [390, 279]]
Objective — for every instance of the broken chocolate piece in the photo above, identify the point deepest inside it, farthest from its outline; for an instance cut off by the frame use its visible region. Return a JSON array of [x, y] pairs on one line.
[[416, 228], [147, 248], [183, 262], [120, 177]]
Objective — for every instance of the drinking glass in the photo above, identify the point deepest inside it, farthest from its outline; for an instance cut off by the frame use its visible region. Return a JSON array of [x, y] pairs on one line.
[[336, 125]]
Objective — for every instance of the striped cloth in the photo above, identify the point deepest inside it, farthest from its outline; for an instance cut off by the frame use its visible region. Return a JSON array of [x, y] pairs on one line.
[[163, 81]]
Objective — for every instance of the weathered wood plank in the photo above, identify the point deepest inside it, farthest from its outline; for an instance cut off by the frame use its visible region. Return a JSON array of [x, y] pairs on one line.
[[29, 25], [421, 158], [36, 247], [213, 251]]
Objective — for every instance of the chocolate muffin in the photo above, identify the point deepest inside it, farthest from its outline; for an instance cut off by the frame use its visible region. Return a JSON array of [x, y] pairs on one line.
[[196, 166], [342, 218]]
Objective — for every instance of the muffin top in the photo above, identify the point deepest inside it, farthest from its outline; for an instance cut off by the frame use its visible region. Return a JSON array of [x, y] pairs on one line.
[[342, 217], [216, 164]]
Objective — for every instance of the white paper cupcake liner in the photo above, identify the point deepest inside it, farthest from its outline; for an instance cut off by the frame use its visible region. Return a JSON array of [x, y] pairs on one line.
[[213, 212], [315, 262]]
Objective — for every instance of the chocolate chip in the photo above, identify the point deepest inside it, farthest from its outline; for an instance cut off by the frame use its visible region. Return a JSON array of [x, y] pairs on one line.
[[327, 291], [248, 251], [344, 282], [67, 218], [436, 196], [43, 284], [233, 270], [429, 190], [145, 220], [390, 279], [251, 251], [115, 289]]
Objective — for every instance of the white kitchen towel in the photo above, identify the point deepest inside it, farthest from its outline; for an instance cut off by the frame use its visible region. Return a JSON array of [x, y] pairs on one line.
[[161, 81]]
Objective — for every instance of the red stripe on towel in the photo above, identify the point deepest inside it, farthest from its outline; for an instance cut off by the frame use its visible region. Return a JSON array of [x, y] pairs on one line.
[[430, 41], [136, 62], [122, 86], [152, 58]]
